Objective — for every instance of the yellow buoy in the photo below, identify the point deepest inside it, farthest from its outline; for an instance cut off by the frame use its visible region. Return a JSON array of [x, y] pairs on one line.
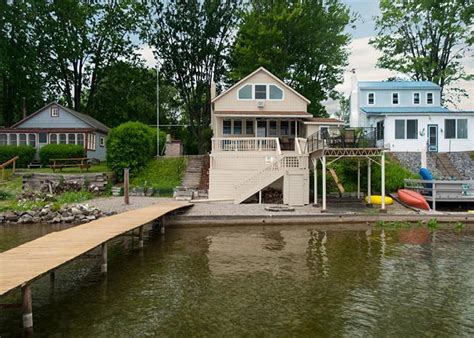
[[377, 199]]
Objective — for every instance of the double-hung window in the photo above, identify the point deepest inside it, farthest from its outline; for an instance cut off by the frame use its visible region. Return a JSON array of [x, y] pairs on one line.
[[395, 98], [237, 127], [227, 127], [371, 98], [249, 127], [429, 98], [260, 92], [416, 98]]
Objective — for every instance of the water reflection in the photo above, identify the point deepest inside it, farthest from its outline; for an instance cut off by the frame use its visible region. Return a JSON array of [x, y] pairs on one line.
[[290, 281]]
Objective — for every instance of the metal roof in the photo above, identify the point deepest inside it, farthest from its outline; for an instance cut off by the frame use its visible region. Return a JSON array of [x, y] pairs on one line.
[[398, 85], [410, 110]]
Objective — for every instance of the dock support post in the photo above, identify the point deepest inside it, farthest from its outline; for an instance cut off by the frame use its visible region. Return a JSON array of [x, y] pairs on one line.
[[27, 307], [358, 179], [369, 182], [126, 175], [323, 162], [140, 237], [162, 228], [103, 263], [260, 197], [52, 277], [315, 171], [433, 203], [382, 187]]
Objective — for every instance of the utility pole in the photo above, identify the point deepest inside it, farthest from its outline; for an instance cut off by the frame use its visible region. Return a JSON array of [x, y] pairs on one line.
[[157, 108]]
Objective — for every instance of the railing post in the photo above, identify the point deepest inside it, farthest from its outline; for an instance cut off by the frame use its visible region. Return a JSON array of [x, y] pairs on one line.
[[382, 174], [369, 182], [323, 162]]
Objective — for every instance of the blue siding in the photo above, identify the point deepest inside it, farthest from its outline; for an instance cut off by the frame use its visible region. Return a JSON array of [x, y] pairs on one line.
[[99, 152], [383, 98], [44, 120]]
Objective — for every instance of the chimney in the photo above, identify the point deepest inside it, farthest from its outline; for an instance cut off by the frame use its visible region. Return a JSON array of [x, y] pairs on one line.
[[354, 114]]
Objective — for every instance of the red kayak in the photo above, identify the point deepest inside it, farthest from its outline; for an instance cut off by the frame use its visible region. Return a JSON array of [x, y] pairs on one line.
[[413, 199]]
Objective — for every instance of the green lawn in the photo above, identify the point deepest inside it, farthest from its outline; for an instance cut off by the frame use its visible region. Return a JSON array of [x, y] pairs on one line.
[[163, 173]]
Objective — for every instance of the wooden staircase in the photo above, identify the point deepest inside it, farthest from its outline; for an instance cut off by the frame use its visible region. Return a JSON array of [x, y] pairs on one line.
[[444, 165]]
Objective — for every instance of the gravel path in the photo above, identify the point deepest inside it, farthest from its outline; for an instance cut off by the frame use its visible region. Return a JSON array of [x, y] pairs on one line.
[[116, 204]]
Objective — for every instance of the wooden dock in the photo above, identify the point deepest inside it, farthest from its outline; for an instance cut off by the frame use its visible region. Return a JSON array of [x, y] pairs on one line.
[[22, 265]]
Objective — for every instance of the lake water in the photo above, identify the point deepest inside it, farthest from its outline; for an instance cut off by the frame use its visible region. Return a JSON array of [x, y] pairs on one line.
[[259, 281]]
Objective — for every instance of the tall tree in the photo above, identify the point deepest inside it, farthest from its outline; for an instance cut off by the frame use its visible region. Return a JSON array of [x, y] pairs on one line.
[[192, 38], [426, 39], [20, 75], [83, 37], [302, 42], [127, 92]]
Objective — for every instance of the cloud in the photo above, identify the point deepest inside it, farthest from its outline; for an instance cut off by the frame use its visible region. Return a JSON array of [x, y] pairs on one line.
[[146, 54], [364, 57]]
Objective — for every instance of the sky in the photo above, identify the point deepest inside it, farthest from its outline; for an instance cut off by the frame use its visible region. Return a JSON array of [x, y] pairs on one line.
[[363, 57]]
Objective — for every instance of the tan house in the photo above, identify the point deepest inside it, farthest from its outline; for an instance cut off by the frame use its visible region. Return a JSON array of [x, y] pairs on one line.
[[261, 126]]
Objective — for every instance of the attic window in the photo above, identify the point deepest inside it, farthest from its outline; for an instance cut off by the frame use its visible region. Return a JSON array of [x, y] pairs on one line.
[[260, 92], [54, 112], [394, 98], [416, 98], [245, 93], [275, 92], [429, 98], [371, 98]]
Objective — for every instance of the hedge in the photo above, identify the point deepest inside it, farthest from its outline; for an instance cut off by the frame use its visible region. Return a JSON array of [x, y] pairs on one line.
[[26, 154], [52, 151], [130, 145]]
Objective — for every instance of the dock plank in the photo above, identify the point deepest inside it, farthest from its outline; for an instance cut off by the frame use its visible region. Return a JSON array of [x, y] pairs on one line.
[[31, 260]]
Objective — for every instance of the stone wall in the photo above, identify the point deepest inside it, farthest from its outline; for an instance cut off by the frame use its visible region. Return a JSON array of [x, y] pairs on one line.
[[89, 181], [412, 161], [463, 163]]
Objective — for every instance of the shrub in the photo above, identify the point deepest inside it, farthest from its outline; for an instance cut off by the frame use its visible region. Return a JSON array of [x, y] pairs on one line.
[[26, 154], [52, 151], [130, 145]]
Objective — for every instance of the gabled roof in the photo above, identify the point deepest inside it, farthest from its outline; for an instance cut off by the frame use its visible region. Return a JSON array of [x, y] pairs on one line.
[[406, 110], [252, 74], [83, 117], [395, 85]]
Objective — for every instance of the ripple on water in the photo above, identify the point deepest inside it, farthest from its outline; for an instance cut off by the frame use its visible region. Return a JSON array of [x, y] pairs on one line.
[[265, 281]]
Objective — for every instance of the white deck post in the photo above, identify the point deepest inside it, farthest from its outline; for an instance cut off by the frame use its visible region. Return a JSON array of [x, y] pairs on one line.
[[382, 187], [315, 172], [369, 182], [323, 162], [358, 179]]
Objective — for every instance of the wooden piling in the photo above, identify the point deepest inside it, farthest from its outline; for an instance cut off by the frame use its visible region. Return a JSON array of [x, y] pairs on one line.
[[103, 266], [52, 277], [140, 237], [162, 228], [126, 175], [27, 307]]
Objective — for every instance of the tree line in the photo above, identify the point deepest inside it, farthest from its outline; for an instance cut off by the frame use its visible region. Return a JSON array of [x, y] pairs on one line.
[[84, 54]]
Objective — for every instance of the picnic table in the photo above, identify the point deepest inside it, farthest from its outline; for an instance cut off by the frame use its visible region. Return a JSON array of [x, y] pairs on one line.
[[60, 163]]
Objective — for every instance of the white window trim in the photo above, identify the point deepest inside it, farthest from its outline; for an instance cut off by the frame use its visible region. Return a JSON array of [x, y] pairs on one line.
[[398, 97], [268, 92], [252, 92], [413, 98], [55, 109], [432, 98], [368, 94]]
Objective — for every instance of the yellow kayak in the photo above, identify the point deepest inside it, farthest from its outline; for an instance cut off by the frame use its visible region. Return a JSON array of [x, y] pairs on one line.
[[377, 199], [471, 211]]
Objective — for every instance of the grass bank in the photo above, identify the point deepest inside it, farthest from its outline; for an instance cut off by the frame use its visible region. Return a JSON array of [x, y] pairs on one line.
[[162, 174]]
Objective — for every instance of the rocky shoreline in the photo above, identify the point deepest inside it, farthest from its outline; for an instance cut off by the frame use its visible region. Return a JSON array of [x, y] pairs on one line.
[[71, 214]]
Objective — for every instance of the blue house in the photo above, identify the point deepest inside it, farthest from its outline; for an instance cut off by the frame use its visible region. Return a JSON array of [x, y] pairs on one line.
[[407, 116], [56, 124]]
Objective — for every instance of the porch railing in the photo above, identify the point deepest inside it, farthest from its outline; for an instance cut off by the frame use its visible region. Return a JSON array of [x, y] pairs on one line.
[[342, 138], [246, 144]]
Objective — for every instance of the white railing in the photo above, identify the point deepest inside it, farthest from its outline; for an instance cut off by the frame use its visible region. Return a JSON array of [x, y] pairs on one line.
[[301, 145], [268, 174], [246, 144]]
